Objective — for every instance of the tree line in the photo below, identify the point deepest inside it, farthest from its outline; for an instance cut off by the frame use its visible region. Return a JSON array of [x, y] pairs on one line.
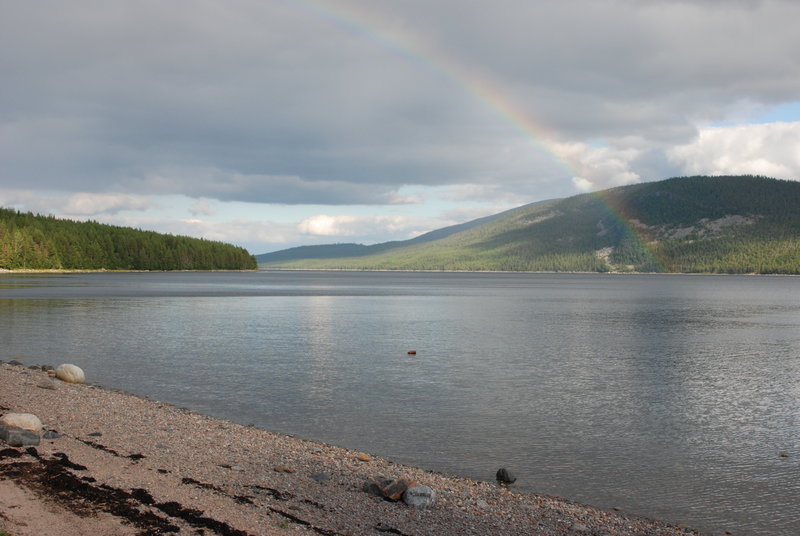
[[29, 241]]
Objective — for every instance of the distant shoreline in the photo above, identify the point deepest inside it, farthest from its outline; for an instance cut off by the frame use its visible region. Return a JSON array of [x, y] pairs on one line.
[[354, 270], [508, 272], [107, 271]]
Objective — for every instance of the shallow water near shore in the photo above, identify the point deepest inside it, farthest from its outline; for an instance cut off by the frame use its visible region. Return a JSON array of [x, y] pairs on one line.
[[675, 397]]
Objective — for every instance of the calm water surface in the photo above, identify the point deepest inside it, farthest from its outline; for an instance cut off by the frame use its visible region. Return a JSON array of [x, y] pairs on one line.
[[667, 396]]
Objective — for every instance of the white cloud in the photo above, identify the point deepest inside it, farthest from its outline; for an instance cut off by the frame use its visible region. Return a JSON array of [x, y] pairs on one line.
[[598, 168], [78, 205], [324, 225], [771, 149], [88, 204], [369, 229]]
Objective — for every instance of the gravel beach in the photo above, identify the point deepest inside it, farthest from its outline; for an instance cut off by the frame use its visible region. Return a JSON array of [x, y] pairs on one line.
[[127, 465]]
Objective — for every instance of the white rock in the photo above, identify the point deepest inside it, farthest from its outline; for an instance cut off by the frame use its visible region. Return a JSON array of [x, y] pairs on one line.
[[70, 374], [419, 496], [26, 421]]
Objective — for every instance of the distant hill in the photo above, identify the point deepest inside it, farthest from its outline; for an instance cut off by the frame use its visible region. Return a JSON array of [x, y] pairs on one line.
[[29, 241], [734, 224], [332, 251]]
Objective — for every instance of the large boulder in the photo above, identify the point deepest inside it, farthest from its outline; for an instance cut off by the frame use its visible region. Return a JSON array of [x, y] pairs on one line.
[[70, 373], [26, 421]]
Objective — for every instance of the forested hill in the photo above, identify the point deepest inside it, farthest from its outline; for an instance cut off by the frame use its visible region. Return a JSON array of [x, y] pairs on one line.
[[735, 224], [30, 241]]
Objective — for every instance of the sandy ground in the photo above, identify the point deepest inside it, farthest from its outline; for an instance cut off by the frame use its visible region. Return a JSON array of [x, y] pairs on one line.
[[127, 465]]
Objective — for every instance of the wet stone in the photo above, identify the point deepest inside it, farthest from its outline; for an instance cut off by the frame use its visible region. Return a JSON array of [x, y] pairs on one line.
[[505, 477], [18, 437]]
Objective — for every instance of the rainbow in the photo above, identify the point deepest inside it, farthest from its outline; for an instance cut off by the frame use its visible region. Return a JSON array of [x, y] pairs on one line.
[[427, 56]]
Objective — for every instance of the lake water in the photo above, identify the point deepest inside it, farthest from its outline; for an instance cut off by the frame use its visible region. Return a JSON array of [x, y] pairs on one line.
[[667, 396]]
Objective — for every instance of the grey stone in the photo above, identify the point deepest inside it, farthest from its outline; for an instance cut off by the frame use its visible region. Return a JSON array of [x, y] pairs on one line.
[[46, 384], [504, 476], [320, 477], [15, 363], [17, 437], [51, 434], [420, 496]]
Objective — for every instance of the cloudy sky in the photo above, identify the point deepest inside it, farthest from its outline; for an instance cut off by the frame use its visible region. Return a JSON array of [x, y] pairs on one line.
[[276, 123]]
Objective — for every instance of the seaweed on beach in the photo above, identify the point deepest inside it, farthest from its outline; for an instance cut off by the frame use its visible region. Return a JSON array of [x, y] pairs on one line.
[[85, 498], [52, 479], [98, 446]]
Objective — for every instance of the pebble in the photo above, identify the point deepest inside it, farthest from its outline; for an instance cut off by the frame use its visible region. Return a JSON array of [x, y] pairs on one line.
[[388, 488], [46, 384], [363, 457], [420, 496], [51, 434], [283, 469]]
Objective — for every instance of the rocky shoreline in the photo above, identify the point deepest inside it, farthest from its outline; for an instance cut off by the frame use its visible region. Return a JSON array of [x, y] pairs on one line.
[[118, 464]]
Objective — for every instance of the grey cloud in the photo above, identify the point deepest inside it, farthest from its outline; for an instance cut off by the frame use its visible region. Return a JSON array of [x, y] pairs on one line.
[[289, 106], [216, 184]]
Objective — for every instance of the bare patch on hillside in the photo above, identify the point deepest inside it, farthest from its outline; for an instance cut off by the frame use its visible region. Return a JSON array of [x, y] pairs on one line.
[[704, 228]]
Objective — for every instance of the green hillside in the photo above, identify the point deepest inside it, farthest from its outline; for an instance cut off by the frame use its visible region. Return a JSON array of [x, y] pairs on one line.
[[30, 241], [741, 224]]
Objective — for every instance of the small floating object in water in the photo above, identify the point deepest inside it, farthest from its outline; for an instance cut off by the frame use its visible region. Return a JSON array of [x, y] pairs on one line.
[[412, 352]]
